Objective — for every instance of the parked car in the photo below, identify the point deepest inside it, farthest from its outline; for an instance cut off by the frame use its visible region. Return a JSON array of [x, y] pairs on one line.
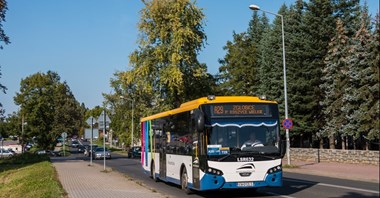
[[81, 149], [5, 153], [88, 151], [99, 153], [74, 143], [134, 152]]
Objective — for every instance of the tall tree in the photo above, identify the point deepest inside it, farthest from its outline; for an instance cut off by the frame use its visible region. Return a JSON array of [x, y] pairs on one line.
[[238, 68], [3, 39], [334, 83], [48, 106], [165, 66], [301, 99], [271, 62], [361, 97], [321, 21]]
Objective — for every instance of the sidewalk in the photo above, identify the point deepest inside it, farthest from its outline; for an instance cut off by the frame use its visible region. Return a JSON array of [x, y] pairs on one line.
[[81, 180], [359, 172]]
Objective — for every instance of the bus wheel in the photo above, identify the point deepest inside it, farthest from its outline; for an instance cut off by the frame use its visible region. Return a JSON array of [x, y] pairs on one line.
[[153, 172], [184, 184]]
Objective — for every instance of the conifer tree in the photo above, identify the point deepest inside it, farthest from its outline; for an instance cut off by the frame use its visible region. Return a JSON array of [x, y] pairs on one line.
[[334, 82], [361, 104], [271, 62], [237, 70]]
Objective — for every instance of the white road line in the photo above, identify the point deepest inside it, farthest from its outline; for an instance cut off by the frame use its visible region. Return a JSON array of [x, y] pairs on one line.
[[334, 186]]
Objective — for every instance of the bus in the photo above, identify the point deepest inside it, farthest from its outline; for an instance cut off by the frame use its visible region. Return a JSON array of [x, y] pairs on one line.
[[205, 144]]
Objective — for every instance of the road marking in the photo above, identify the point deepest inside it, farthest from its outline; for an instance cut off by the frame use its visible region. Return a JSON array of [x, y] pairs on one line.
[[334, 186]]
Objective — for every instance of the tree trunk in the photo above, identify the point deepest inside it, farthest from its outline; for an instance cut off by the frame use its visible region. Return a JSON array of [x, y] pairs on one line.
[[332, 142]]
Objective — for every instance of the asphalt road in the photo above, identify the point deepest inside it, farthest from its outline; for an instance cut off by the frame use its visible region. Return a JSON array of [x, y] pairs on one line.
[[295, 185]]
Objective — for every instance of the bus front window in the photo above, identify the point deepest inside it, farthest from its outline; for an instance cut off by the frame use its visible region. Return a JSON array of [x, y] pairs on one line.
[[245, 138]]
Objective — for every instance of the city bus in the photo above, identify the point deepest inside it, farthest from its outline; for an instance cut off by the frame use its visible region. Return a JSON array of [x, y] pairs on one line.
[[205, 144]]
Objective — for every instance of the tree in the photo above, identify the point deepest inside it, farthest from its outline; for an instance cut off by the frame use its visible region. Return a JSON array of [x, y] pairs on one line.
[[334, 83], [3, 37], [271, 62], [48, 106], [237, 73], [165, 66], [239, 70], [361, 97], [2, 89]]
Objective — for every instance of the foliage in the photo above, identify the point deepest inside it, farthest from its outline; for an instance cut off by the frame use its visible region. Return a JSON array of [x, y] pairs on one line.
[[49, 108], [361, 97], [3, 37], [334, 83], [165, 66], [165, 71], [321, 62], [236, 72]]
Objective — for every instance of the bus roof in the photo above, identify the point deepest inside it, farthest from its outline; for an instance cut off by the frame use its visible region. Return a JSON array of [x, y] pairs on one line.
[[187, 106]]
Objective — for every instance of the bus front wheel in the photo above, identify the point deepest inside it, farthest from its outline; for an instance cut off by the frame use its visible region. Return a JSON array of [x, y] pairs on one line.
[[184, 183]]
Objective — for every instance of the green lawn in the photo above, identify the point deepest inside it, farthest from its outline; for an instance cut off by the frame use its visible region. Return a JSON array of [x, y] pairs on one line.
[[29, 175]]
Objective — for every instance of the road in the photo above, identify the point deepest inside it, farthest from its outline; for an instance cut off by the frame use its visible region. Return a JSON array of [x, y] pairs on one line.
[[295, 185]]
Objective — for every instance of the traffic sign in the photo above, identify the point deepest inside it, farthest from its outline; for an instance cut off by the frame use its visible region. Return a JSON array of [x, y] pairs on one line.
[[91, 121], [64, 135], [287, 123]]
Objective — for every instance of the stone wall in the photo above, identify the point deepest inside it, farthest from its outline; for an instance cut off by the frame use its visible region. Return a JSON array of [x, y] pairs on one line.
[[334, 155]]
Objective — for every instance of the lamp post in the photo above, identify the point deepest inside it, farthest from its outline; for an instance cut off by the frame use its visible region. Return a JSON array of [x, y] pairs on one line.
[[255, 7], [133, 104]]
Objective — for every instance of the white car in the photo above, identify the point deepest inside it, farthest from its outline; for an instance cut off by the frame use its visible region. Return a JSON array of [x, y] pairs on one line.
[[5, 153]]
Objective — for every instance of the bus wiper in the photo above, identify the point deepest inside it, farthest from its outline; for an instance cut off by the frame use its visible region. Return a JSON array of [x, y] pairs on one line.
[[232, 149], [262, 154], [223, 158]]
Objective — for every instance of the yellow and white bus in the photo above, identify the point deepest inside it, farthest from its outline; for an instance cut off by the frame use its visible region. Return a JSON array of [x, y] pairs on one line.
[[205, 144]]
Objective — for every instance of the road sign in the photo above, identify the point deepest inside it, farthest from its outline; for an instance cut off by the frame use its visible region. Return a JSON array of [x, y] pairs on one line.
[[101, 121], [91, 120], [287, 123], [64, 135]]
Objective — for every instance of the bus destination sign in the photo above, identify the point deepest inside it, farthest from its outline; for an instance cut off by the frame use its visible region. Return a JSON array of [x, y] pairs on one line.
[[240, 110]]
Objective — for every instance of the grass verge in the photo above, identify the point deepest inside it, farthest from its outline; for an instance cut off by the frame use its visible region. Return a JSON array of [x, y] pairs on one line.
[[29, 175]]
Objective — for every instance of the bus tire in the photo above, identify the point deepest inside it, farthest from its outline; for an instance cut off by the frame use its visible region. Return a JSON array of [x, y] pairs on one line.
[[153, 172], [184, 183]]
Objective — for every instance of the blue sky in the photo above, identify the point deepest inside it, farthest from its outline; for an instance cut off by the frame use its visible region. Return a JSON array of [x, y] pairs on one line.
[[87, 41]]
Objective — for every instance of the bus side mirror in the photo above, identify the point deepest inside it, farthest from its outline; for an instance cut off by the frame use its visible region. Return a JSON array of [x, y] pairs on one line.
[[283, 148], [199, 120]]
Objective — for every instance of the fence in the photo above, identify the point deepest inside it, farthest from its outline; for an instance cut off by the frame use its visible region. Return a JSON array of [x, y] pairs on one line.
[[334, 155]]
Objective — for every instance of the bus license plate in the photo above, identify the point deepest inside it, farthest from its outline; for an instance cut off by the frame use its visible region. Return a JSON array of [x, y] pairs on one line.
[[244, 184]]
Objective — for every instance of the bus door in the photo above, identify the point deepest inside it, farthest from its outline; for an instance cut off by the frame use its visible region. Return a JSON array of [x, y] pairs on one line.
[[164, 140], [197, 145]]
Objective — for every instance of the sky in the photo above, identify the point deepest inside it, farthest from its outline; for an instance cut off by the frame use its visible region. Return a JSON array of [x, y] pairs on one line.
[[87, 41]]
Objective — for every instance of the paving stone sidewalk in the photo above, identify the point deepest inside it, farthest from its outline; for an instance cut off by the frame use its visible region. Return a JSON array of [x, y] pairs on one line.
[[359, 172], [81, 180]]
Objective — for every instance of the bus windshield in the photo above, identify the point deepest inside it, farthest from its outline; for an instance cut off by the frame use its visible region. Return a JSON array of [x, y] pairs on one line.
[[249, 136]]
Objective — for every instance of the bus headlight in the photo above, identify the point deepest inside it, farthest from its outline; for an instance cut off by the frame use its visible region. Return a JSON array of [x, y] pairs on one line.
[[214, 171], [275, 169]]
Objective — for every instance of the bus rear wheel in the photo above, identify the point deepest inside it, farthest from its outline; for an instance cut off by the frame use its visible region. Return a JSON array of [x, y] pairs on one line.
[[184, 183]]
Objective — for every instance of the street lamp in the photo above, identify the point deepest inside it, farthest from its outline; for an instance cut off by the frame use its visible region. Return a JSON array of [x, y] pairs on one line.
[[133, 104], [255, 7]]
